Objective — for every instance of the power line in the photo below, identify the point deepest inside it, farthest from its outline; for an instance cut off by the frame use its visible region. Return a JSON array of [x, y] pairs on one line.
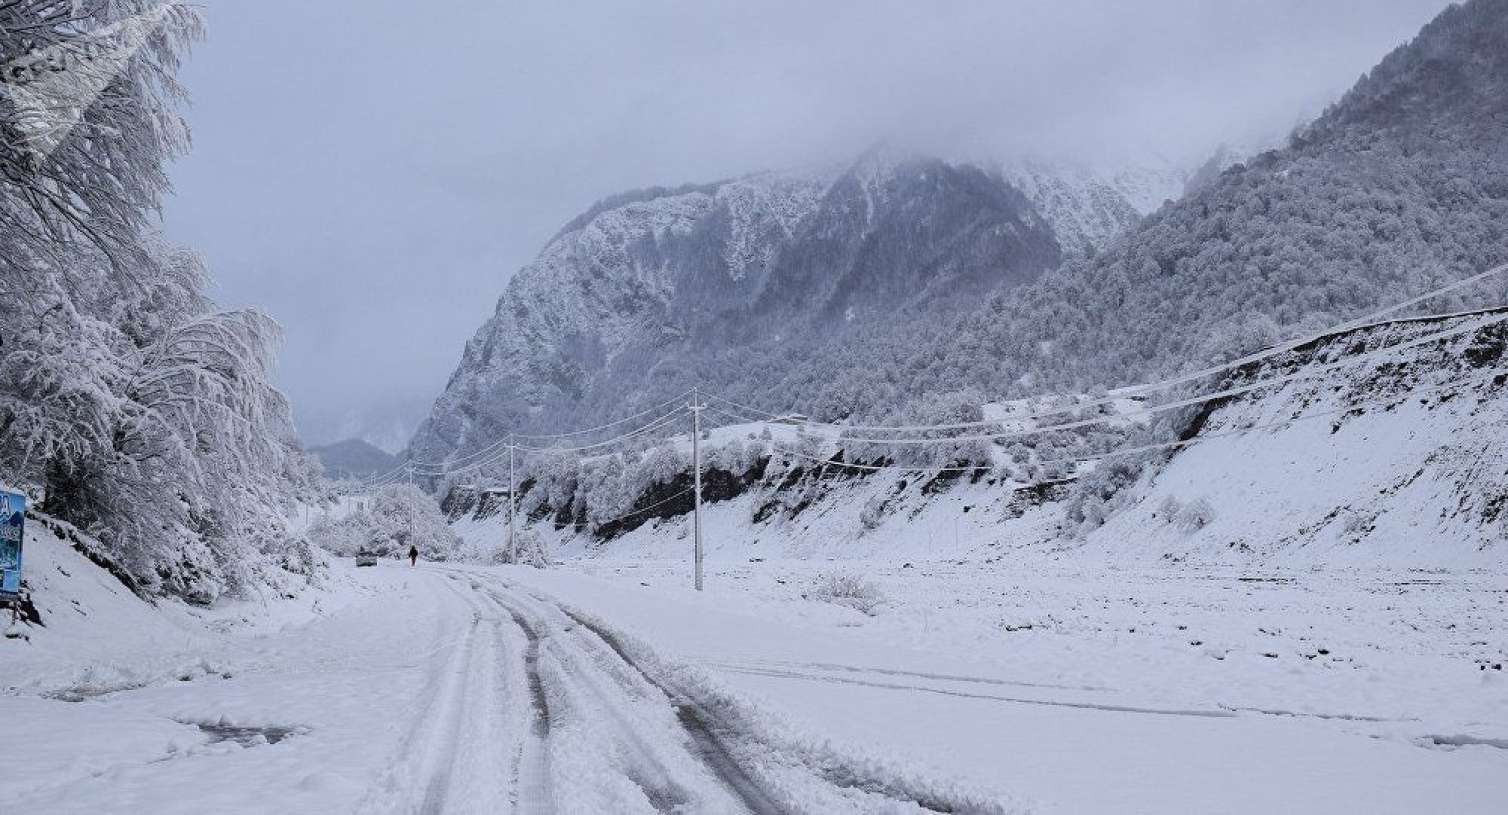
[[641, 511], [1147, 448], [466, 462], [1304, 373], [657, 408], [1131, 390], [641, 431], [657, 424]]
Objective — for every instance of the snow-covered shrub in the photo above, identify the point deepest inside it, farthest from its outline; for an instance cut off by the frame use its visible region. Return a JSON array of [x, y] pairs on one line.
[[1170, 509], [809, 447], [1196, 515], [1099, 493], [873, 512], [341, 536], [952, 408], [530, 550], [847, 589], [403, 515]]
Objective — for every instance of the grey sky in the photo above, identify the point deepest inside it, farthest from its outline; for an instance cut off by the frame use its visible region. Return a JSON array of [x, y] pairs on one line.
[[370, 172]]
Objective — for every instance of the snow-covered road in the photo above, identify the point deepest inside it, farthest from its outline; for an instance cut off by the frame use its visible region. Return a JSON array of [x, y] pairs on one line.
[[429, 690]]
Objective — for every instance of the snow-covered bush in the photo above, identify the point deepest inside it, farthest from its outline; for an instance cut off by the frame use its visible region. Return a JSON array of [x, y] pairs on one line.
[[341, 536], [872, 514], [530, 550], [1099, 493], [1169, 509], [847, 589], [952, 408], [1195, 515]]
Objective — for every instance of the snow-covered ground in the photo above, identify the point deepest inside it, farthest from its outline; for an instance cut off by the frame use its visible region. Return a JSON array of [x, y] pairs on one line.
[[1119, 690], [999, 681]]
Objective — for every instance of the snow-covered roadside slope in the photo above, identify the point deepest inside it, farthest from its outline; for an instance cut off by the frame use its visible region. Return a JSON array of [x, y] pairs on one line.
[[85, 611], [98, 637], [1395, 459], [1399, 459], [118, 705]]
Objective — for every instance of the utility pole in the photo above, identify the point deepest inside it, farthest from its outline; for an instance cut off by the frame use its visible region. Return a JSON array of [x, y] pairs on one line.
[[696, 468], [512, 537]]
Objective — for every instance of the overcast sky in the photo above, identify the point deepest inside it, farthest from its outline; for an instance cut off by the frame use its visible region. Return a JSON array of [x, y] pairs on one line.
[[371, 172]]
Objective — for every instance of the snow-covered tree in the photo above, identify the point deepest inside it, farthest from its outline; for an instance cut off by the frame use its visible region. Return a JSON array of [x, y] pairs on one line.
[[145, 416], [390, 521]]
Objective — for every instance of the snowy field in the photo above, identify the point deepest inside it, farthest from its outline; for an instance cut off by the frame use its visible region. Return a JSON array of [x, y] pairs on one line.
[[609, 686], [1092, 690]]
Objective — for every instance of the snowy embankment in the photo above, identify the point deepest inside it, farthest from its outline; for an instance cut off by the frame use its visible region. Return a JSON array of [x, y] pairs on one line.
[[1400, 459], [126, 705]]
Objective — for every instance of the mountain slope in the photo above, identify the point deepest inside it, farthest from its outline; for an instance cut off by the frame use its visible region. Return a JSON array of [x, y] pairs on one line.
[[649, 293], [354, 458], [1399, 187], [1088, 206]]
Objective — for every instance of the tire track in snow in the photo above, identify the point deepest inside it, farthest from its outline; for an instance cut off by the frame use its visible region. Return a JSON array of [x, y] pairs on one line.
[[453, 756], [703, 724], [704, 728], [699, 727], [1221, 713], [446, 730], [655, 779], [424, 734], [531, 774], [441, 753], [710, 739]]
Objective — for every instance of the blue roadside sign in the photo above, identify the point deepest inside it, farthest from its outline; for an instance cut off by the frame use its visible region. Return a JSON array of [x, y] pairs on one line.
[[12, 526]]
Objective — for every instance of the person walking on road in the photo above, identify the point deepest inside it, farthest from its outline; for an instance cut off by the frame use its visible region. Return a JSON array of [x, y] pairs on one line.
[[413, 555]]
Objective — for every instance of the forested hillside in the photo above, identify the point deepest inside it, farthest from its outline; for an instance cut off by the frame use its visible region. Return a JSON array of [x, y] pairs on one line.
[[1400, 186]]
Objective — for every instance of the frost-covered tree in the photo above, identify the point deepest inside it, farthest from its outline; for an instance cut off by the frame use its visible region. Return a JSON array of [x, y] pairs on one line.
[[390, 521], [141, 413]]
